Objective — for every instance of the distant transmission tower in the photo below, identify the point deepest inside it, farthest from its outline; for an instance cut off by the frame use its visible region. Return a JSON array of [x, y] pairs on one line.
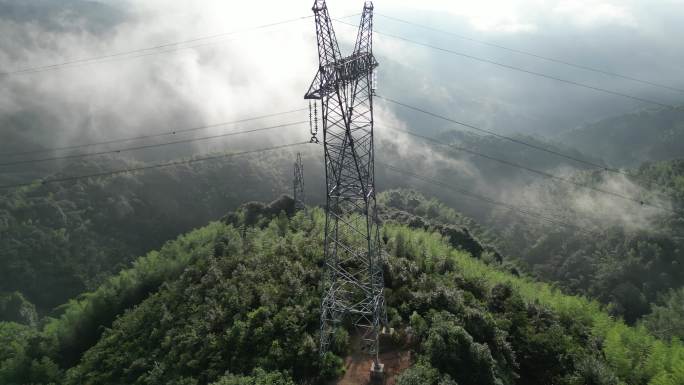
[[353, 278], [299, 183]]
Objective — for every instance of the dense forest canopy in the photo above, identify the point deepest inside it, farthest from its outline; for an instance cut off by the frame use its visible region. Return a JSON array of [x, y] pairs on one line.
[[619, 251], [632, 139], [58, 240], [69, 237], [73, 294], [235, 303]]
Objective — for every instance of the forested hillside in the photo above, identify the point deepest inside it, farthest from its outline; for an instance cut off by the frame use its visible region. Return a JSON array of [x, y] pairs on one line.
[[627, 262], [60, 239], [629, 140], [237, 303], [594, 237], [625, 269]]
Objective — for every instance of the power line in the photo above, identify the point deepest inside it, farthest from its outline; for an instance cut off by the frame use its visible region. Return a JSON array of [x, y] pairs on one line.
[[500, 136], [512, 139], [485, 199], [535, 55], [149, 146], [519, 69], [144, 168], [535, 171], [153, 53], [173, 46], [157, 135], [145, 50], [482, 198]]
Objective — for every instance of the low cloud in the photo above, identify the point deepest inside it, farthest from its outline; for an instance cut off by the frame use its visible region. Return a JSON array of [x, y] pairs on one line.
[[591, 209], [268, 70], [592, 13], [204, 82]]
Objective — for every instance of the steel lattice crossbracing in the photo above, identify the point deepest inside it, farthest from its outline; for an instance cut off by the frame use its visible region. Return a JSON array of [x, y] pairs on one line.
[[353, 280], [298, 181]]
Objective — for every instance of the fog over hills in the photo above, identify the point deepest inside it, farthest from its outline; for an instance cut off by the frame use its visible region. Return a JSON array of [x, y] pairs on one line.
[[245, 74]]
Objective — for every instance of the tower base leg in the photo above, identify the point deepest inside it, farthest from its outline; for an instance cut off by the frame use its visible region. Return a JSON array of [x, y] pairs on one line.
[[377, 373]]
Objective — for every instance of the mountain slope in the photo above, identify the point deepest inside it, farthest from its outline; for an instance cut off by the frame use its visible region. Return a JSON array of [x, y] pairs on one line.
[[247, 301], [629, 140], [58, 240], [630, 255], [625, 254]]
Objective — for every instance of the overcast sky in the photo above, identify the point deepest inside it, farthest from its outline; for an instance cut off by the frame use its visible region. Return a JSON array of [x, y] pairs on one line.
[[269, 69]]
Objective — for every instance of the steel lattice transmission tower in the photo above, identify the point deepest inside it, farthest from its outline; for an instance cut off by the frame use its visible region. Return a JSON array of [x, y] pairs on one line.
[[353, 279], [299, 183]]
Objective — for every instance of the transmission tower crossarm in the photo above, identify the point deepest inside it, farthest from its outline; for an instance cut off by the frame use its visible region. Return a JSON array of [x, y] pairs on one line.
[[328, 49], [333, 68]]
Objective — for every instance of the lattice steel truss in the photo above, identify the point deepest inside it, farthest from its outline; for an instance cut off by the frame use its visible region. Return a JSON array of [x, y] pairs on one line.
[[299, 183], [353, 277]]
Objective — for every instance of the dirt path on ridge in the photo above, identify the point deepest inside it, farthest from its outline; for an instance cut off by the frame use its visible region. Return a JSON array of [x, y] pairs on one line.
[[358, 367]]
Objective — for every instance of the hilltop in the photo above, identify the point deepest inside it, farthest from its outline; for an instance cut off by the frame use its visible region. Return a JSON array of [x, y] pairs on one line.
[[236, 302]]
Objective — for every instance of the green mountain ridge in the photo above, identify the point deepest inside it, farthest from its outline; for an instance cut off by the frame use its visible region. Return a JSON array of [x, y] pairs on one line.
[[625, 267], [595, 253], [58, 240], [631, 139], [238, 304]]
